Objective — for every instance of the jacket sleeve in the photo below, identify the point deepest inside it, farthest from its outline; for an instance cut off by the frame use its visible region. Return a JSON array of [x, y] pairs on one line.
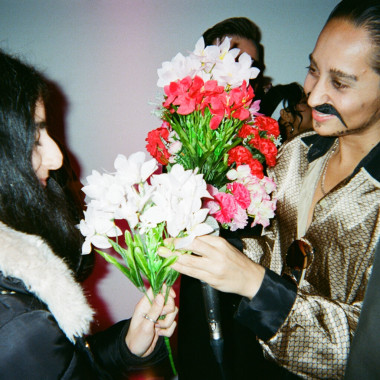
[[111, 352], [304, 332]]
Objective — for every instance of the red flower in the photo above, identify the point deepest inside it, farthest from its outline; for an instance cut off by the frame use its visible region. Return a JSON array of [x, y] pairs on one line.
[[241, 98], [156, 146], [175, 89], [232, 104], [265, 123], [219, 107], [269, 150], [242, 156], [248, 131]]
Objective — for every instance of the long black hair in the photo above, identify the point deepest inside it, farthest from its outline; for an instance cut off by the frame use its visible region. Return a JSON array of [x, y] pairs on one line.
[[25, 205]]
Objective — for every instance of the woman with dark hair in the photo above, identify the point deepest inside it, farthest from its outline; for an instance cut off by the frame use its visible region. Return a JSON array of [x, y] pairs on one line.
[[44, 315]]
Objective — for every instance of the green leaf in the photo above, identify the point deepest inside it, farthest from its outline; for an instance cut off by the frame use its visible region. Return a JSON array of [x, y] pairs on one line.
[[129, 257], [142, 262], [118, 249], [164, 271], [119, 266]]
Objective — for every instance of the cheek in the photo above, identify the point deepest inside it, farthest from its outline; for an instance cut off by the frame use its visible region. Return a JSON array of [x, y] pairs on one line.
[[36, 160]]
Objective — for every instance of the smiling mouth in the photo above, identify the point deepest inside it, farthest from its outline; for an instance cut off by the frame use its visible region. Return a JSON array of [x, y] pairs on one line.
[[321, 117]]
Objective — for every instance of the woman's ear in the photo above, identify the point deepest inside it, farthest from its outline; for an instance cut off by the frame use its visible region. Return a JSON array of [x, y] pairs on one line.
[[286, 116]]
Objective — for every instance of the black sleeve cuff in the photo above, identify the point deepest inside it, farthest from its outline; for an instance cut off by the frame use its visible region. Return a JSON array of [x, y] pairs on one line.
[[268, 309], [110, 350]]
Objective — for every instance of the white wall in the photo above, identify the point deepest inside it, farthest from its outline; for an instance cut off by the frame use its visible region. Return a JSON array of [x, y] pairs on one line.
[[103, 56]]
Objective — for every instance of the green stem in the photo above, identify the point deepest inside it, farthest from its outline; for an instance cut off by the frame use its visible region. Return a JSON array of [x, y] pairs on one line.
[[167, 342]]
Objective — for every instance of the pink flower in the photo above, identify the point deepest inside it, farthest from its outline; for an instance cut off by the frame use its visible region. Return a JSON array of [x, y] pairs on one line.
[[228, 207], [240, 219], [241, 194], [264, 212], [255, 107]]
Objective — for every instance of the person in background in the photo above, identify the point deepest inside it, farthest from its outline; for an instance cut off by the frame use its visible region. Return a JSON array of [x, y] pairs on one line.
[[295, 117], [303, 282], [246, 36], [44, 315]]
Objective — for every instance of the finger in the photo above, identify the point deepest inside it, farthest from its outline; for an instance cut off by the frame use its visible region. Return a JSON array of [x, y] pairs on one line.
[[169, 306], [169, 319], [155, 310], [167, 332], [207, 245], [197, 271], [171, 291]]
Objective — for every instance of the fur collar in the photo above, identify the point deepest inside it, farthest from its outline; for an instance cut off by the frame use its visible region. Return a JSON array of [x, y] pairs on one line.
[[30, 259]]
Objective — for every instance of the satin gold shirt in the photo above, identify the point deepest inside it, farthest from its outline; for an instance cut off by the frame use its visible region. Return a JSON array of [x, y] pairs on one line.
[[314, 340]]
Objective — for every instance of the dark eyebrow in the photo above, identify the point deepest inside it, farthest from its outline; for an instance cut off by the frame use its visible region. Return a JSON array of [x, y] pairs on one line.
[[341, 74], [336, 72]]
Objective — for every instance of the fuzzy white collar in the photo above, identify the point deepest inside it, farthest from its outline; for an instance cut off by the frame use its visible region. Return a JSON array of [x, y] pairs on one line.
[[30, 259]]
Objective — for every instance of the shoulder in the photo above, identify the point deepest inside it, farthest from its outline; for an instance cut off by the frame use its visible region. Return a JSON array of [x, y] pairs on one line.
[[35, 343], [293, 156]]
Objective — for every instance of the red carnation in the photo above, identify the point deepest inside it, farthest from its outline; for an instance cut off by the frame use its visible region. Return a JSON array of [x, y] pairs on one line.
[[242, 156], [265, 123], [269, 150], [249, 131]]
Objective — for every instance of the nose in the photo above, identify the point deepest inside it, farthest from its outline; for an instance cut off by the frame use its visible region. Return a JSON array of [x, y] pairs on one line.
[[316, 90], [53, 157]]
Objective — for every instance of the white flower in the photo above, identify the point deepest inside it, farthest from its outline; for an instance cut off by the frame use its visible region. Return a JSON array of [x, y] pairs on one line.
[[232, 73], [178, 68], [134, 169], [105, 191], [177, 201], [96, 227], [242, 172]]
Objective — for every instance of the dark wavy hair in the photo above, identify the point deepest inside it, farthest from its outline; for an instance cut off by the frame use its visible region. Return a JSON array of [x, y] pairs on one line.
[[362, 14], [25, 205]]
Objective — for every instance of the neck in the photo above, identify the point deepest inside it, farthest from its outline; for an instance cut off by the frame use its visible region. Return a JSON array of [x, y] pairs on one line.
[[353, 148]]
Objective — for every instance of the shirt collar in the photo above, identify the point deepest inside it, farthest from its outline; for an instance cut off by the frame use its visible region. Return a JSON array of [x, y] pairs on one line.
[[319, 146]]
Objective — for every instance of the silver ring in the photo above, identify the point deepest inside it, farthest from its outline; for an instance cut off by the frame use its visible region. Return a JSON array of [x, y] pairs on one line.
[[146, 316]]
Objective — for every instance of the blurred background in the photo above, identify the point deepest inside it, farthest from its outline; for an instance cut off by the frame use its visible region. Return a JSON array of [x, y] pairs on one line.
[[102, 58]]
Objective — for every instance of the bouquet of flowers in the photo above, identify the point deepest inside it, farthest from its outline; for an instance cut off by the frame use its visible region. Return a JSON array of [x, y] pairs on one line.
[[210, 122], [155, 206]]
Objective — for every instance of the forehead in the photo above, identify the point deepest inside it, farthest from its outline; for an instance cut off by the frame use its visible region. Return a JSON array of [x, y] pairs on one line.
[[343, 47], [245, 45]]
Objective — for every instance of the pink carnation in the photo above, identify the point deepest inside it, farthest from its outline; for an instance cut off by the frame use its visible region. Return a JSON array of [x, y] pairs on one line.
[[241, 194], [240, 219], [228, 207]]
